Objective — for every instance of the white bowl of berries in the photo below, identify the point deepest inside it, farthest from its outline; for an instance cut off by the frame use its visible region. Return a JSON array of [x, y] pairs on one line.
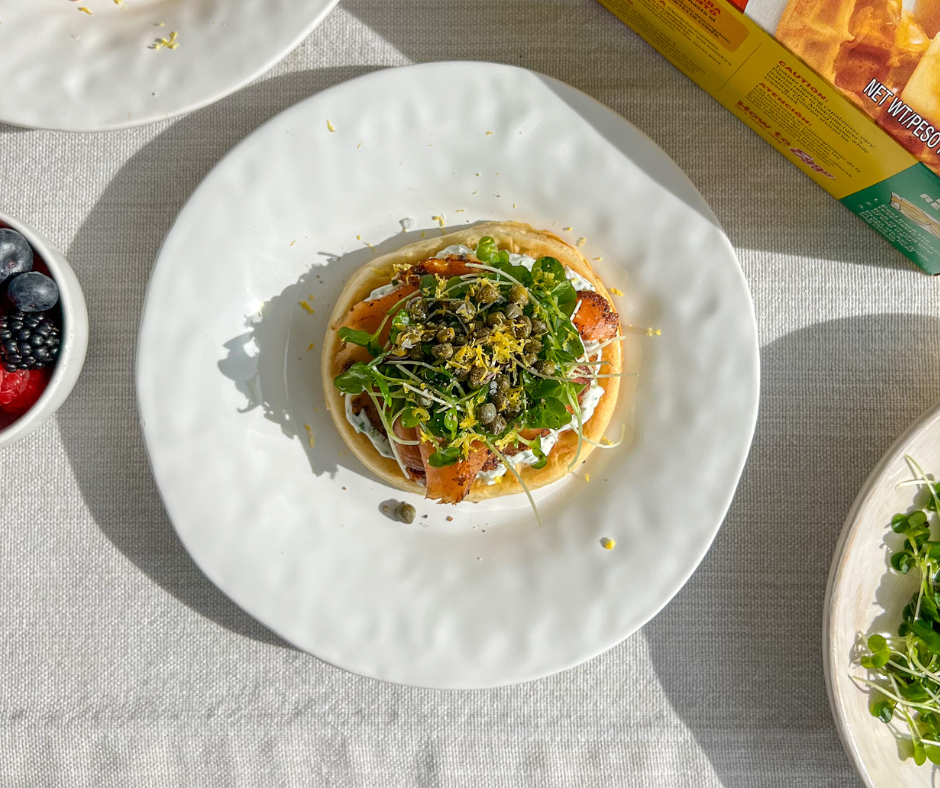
[[43, 330]]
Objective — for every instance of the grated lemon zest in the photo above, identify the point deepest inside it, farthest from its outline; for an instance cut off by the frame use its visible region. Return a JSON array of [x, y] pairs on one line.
[[608, 544], [306, 307], [310, 439], [506, 440], [581, 242], [587, 477], [616, 291], [489, 134], [310, 347], [330, 126], [567, 229], [468, 421], [85, 10], [165, 43]]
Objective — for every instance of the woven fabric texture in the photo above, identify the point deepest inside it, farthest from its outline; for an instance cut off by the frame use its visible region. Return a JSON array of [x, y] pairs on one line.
[[121, 665]]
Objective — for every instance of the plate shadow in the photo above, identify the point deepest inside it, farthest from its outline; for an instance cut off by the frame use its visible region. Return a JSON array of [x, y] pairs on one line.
[[739, 650]]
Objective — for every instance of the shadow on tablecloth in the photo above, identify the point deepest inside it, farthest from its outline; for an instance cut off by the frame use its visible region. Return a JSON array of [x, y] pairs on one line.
[[113, 251], [739, 650]]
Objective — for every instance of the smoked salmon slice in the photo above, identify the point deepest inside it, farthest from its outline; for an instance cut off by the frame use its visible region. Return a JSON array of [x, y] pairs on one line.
[[596, 320], [451, 483]]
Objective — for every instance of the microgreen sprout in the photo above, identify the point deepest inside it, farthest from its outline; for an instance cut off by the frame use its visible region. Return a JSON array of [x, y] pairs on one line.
[[907, 667]]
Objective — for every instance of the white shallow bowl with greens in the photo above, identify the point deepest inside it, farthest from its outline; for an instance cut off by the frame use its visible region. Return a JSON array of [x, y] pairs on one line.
[[866, 597]]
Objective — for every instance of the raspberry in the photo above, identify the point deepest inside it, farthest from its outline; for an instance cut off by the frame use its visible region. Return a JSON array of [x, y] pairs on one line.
[[19, 390]]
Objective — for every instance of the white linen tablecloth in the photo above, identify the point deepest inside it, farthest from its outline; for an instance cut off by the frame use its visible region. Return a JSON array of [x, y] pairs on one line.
[[121, 665]]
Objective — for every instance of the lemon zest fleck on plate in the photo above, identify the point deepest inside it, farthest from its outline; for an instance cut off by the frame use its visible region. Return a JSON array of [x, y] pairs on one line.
[[330, 126], [616, 291], [166, 43], [608, 544], [581, 242], [85, 10], [306, 307], [310, 439]]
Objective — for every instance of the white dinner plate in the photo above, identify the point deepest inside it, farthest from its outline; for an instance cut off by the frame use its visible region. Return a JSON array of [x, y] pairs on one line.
[[865, 597], [228, 379], [67, 69]]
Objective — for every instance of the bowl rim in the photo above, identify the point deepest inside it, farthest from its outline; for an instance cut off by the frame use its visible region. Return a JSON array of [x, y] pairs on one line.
[[74, 334], [849, 528]]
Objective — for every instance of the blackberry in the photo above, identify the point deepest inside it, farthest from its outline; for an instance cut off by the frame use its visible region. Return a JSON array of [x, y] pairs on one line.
[[27, 341]]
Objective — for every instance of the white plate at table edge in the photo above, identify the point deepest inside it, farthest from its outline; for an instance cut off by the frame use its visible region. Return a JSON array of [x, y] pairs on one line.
[[83, 113], [867, 527]]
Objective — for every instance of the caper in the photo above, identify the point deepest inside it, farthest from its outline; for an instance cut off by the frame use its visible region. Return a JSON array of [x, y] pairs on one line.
[[500, 400], [532, 346], [460, 340], [518, 295], [539, 327], [514, 311], [486, 413], [405, 512], [418, 308], [466, 310], [487, 294], [529, 359], [522, 327], [503, 383], [511, 414], [445, 335], [416, 353], [546, 368], [462, 374], [481, 332], [496, 318], [444, 350], [497, 425], [477, 377]]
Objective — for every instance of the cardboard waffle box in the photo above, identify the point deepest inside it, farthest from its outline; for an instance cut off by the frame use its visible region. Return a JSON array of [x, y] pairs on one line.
[[848, 90]]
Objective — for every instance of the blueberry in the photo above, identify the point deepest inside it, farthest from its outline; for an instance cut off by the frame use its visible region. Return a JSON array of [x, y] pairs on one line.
[[32, 292], [16, 256]]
